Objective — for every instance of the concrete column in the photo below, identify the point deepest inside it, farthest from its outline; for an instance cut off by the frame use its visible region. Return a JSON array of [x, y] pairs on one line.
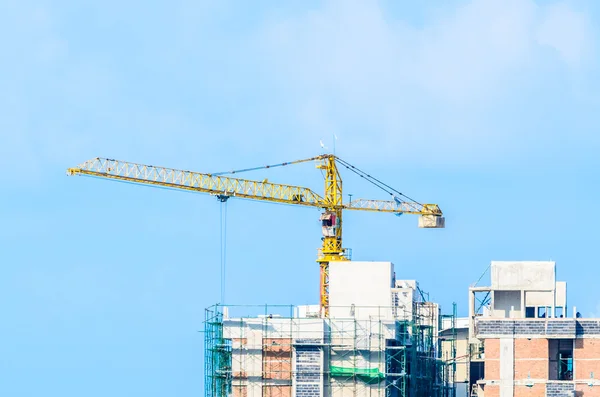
[[553, 309], [522, 303], [471, 314], [507, 372]]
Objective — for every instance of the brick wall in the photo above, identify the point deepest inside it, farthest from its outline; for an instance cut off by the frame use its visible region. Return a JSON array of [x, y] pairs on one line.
[[492, 368], [492, 359], [531, 355], [586, 391], [531, 358], [277, 391], [587, 358], [534, 369], [587, 348], [510, 327], [555, 327], [277, 358], [565, 328], [277, 345], [276, 366], [537, 390], [583, 369], [239, 391], [492, 348], [491, 391], [238, 349], [531, 348]]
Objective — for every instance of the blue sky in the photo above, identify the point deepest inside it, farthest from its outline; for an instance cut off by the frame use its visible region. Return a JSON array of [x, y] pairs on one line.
[[488, 108]]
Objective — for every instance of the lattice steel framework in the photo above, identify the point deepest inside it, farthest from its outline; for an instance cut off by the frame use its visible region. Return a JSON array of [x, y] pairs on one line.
[[217, 356]]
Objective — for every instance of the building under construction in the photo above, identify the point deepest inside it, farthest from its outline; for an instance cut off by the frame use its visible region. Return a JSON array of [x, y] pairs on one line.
[[380, 339], [368, 331]]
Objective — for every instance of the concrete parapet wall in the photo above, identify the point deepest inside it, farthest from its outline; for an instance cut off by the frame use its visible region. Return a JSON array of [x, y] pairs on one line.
[[568, 328], [588, 327], [547, 328]]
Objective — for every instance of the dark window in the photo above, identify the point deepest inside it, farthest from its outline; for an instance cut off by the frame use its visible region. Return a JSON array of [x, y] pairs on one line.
[[476, 373], [530, 312], [561, 359], [558, 312]]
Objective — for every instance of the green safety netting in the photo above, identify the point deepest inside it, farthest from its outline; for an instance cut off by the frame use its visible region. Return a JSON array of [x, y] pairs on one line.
[[370, 373]]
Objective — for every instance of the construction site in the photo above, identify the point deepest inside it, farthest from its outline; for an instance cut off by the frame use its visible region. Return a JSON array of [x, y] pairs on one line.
[[374, 333], [365, 348]]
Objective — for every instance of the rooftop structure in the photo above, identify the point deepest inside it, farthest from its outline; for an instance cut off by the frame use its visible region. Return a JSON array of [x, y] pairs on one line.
[[520, 290], [524, 342]]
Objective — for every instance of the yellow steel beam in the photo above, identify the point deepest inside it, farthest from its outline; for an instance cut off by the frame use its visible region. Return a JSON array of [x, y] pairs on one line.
[[198, 182], [393, 207]]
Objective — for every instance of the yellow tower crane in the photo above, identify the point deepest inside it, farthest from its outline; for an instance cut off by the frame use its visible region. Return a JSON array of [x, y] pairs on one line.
[[225, 186]]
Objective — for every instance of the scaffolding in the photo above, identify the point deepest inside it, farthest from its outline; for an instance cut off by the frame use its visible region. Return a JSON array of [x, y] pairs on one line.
[[217, 355], [449, 354], [285, 351]]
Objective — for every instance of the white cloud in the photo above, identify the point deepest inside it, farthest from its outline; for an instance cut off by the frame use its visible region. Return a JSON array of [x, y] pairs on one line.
[[461, 56], [392, 86], [566, 31], [354, 48], [388, 88]]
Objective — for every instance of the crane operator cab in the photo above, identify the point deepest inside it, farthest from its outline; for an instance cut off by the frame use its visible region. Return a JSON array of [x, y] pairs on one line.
[[329, 222]]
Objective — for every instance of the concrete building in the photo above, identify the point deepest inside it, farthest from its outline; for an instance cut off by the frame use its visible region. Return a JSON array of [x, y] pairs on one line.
[[527, 343], [454, 338], [379, 340]]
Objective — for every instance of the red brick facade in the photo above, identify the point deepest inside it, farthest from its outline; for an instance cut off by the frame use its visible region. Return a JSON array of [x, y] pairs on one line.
[[532, 365]]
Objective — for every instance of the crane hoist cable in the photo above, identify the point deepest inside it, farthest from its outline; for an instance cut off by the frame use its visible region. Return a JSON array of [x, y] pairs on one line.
[[376, 182], [223, 243], [330, 203], [383, 186]]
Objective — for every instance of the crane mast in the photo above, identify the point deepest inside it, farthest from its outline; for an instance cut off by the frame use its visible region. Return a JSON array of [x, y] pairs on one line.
[[224, 187], [332, 229]]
